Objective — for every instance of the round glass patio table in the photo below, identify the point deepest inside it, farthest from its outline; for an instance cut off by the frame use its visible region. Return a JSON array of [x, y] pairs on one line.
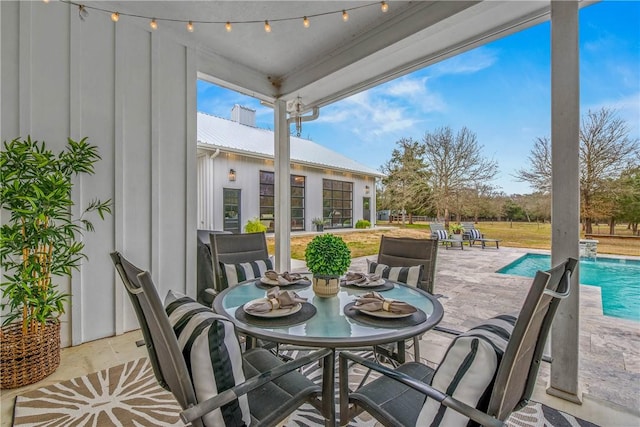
[[330, 327]]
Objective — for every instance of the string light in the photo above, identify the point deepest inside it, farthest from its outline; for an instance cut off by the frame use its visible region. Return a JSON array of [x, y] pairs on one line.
[[115, 16], [45, 1]]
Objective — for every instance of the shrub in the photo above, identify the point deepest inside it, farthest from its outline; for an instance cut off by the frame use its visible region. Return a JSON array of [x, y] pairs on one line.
[[255, 226], [363, 223], [327, 255]]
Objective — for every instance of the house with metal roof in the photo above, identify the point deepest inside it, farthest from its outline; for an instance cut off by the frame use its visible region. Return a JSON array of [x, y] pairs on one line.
[[236, 178]]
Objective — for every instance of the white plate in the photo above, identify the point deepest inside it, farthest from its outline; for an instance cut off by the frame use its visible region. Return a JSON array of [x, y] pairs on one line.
[[281, 312], [385, 314], [272, 282]]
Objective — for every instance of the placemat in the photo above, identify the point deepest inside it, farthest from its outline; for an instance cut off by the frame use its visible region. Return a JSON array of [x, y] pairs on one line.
[[386, 286], [415, 319], [306, 312], [300, 285]]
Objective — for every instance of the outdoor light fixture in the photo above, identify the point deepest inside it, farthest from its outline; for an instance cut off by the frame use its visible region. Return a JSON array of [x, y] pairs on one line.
[[345, 16], [267, 27], [232, 174], [190, 26], [366, 189], [153, 24], [227, 26], [305, 22], [384, 6], [115, 16]]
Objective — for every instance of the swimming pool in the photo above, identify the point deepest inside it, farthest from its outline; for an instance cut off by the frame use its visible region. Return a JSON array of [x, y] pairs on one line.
[[619, 280]]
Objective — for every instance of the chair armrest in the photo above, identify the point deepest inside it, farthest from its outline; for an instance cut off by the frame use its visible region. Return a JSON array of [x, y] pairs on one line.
[[202, 408], [211, 291], [426, 389], [447, 330]]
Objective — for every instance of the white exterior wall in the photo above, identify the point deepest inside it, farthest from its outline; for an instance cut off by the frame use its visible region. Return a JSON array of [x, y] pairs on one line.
[[213, 176], [133, 93]]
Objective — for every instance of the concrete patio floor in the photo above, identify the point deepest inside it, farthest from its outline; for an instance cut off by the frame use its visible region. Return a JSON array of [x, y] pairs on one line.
[[471, 291]]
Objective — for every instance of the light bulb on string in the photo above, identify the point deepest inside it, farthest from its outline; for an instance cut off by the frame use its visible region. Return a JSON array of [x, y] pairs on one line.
[[305, 22], [227, 26], [190, 27], [345, 16], [384, 6], [153, 24], [115, 16], [267, 27]]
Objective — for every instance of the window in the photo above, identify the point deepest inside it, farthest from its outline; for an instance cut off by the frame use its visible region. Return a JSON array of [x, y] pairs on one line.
[[337, 203], [267, 200]]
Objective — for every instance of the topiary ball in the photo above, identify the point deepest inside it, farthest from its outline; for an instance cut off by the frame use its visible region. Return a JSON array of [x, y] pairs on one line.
[[327, 255]]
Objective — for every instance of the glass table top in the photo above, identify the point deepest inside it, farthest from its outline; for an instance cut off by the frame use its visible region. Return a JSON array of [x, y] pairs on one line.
[[330, 327]]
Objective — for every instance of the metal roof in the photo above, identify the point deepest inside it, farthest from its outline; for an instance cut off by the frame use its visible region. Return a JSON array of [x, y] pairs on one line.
[[228, 135]]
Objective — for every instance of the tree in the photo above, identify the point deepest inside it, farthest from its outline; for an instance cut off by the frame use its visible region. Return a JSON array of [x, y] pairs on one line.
[[605, 151], [456, 163], [406, 182], [628, 203]]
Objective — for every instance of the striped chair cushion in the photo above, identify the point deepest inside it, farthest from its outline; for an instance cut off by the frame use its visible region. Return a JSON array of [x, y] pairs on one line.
[[468, 370], [409, 275], [212, 353], [236, 273], [441, 234], [475, 234]]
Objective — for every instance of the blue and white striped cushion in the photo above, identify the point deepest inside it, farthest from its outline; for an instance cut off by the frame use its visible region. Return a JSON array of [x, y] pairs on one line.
[[468, 370], [475, 234], [409, 275], [441, 234], [212, 353], [236, 273]]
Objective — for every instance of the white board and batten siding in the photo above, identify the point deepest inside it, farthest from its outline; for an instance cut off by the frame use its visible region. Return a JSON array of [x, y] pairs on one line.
[[133, 93]]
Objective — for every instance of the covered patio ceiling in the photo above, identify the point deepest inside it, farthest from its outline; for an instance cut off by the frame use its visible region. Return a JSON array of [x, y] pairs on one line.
[[331, 59]]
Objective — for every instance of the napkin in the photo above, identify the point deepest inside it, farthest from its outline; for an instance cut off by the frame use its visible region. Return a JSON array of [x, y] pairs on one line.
[[275, 300], [284, 278], [359, 279], [373, 301]]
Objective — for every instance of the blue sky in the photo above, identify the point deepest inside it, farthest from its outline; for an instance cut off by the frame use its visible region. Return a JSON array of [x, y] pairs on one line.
[[500, 91]]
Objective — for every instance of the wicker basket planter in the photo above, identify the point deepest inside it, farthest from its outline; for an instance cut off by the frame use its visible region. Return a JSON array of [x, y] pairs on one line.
[[326, 286], [26, 359]]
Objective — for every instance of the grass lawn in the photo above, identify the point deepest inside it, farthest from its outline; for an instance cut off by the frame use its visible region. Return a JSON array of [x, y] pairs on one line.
[[517, 234]]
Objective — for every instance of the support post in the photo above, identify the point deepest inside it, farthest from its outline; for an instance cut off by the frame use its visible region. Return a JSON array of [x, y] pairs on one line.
[[565, 185], [282, 167]]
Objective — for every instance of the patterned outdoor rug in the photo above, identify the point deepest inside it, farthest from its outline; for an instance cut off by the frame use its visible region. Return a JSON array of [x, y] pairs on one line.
[[128, 395]]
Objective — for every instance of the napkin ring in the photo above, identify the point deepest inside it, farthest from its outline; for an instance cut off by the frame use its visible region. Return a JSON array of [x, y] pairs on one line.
[[386, 305], [275, 304]]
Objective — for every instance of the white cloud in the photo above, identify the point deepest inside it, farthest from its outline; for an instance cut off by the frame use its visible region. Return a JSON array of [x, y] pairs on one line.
[[467, 63]]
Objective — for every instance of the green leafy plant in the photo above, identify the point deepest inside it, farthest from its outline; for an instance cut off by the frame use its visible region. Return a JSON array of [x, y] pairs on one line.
[[317, 221], [255, 226], [40, 239], [456, 228], [327, 255], [363, 223]]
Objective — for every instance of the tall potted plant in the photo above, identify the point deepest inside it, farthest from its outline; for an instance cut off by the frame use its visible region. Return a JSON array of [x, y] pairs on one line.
[[327, 257], [39, 244]]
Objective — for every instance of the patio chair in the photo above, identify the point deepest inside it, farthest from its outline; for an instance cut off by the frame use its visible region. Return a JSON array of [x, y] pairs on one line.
[[205, 266], [486, 374], [475, 236], [230, 250], [398, 252], [438, 231], [218, 394]]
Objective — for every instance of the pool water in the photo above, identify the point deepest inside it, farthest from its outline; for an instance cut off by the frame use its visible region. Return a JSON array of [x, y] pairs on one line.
[[619, 280]]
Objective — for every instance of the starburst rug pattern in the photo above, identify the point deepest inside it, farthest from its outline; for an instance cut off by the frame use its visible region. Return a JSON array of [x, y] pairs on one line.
[[128, 395]]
